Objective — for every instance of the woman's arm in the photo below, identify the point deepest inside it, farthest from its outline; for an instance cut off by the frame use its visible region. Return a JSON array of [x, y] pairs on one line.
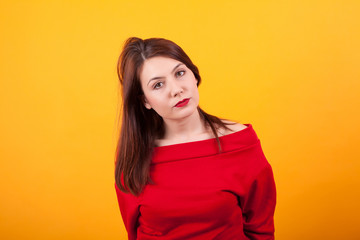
[[129, 209], [259, 206]]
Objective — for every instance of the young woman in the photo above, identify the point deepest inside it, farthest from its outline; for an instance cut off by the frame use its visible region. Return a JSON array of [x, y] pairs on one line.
[[182, 173]]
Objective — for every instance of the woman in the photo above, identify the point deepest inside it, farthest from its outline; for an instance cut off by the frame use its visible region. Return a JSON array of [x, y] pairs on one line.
[[180, 172]]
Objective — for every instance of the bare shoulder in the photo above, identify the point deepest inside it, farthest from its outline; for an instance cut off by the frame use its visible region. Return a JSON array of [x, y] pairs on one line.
[[233, 127]]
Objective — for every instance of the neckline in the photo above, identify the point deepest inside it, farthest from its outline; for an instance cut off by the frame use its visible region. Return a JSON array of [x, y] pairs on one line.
[[206, 147], [209, 139]]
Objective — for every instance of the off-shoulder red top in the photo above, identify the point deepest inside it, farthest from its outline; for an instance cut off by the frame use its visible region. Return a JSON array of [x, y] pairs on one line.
[[200, 194]]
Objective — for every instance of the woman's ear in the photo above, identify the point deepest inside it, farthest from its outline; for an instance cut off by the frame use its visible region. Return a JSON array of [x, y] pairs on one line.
[[146, 103]]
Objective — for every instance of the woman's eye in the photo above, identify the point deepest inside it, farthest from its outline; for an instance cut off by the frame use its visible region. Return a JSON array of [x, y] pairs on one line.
[[158, 85], [180, 73]]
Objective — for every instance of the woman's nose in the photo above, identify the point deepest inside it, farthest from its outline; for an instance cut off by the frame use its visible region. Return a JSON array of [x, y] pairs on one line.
[[176, 88]]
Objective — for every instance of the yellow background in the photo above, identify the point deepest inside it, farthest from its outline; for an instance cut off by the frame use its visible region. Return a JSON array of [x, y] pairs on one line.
[[290, 68]]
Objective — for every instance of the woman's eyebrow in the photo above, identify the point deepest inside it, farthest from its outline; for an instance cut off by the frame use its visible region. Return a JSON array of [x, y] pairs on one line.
[[155, 78]]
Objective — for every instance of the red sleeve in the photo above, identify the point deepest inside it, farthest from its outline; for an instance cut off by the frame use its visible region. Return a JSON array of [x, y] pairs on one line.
[[259, 206], [129, 209]]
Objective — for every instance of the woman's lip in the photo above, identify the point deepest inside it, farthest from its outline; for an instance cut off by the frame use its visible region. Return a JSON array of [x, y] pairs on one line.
[[182, 102]]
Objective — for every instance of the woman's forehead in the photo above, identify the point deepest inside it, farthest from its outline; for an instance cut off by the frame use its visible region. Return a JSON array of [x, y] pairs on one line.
[[160, 62], [158, 67]]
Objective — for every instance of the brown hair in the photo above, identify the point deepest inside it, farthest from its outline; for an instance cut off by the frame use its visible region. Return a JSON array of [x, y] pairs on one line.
[[140, 126]]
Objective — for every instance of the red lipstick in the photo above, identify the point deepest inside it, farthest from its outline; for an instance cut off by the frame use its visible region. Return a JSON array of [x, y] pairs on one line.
[[182, 103]]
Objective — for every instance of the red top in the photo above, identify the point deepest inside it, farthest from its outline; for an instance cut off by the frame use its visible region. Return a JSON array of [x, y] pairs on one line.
[[199, 193]]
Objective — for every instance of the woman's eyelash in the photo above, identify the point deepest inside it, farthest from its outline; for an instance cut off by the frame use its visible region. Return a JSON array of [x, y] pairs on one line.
[[157, 85], [181, 71]]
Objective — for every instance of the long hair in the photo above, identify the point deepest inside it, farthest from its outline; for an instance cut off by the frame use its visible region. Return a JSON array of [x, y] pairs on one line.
[[140, 126]]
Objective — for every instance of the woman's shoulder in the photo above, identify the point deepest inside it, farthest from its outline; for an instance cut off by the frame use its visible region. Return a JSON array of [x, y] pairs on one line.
[[232, 127], [208, 134]]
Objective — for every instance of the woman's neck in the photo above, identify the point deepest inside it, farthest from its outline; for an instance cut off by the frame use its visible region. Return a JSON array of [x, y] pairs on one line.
[[187, 129]]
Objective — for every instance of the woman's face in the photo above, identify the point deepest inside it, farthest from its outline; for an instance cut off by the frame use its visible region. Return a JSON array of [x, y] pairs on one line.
[[170, 88]]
